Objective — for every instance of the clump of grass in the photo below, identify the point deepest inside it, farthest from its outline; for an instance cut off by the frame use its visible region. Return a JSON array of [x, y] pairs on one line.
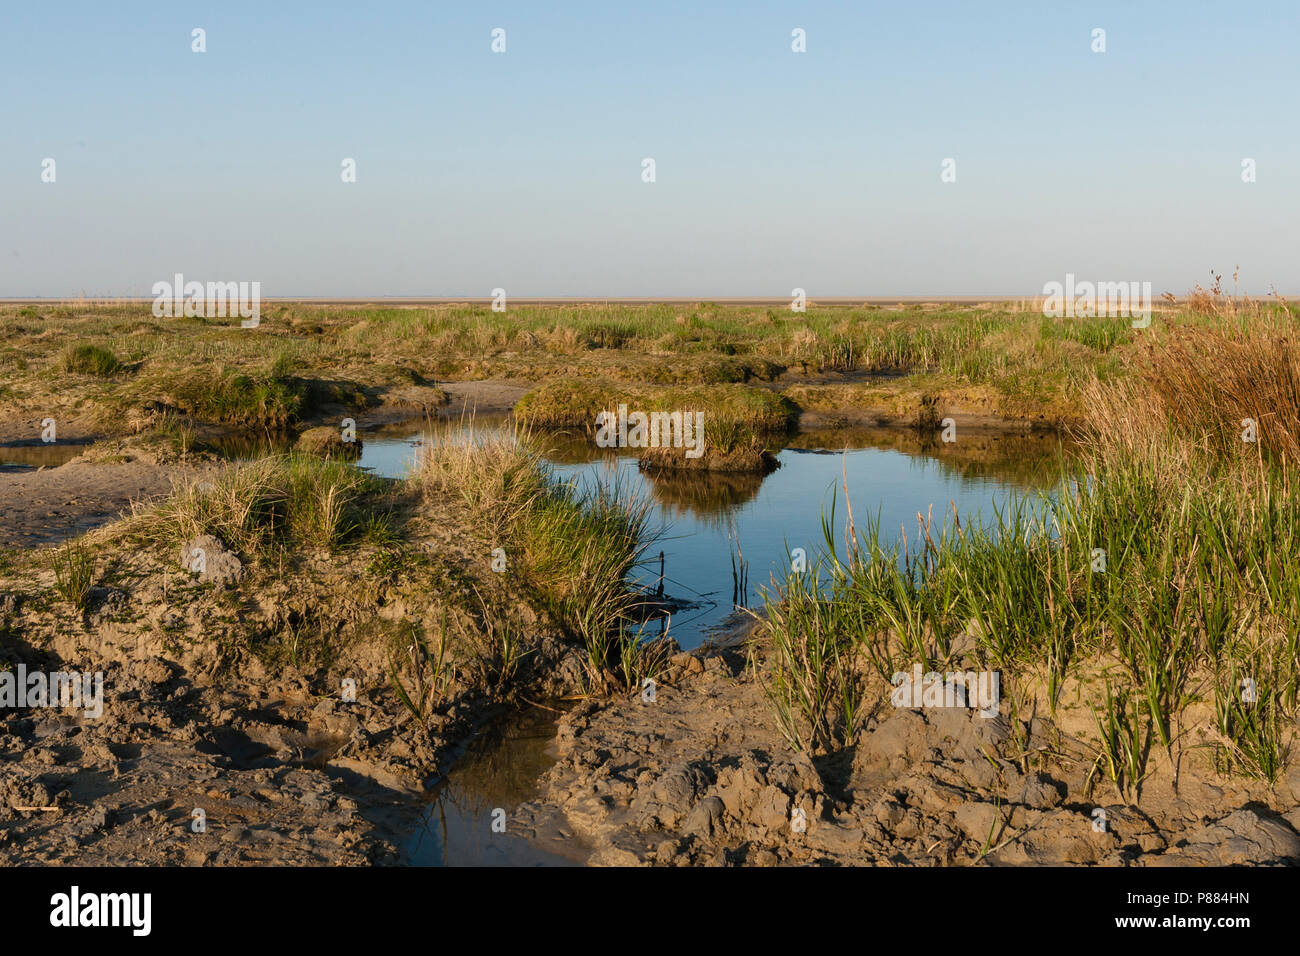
[[327, 506], [425, 667], [1209, 380], [739, 459], [498, 475], [815, 682], [252, 507], [733, 407], [327, 442], [90, 360], [640, 659], [739, 422], [74, 573], [583, 545], [1253, 701], [177, 432], [1123, 744], [575, 547], [379, 527], [271, 399]]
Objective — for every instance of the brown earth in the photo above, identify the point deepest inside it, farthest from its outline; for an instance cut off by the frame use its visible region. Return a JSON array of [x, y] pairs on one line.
[[702, 776], [48, 505]]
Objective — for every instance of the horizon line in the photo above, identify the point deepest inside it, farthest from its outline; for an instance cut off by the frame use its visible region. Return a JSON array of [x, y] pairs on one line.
[[579, 300]]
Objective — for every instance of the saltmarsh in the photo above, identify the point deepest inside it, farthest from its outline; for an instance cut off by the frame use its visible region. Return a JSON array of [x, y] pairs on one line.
[[1181, 638], [1007, 360]]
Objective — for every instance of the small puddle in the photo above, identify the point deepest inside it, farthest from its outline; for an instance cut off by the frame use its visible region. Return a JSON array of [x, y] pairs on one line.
[[40, 454], [499, 770]]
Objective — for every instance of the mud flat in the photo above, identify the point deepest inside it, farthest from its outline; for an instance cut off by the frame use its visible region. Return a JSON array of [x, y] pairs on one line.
[[46, 505], [702, 776]]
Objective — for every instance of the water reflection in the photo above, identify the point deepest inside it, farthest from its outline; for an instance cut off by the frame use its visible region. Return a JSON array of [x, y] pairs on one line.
[[41, 454], [708, 498], [1024, 459], [499, 770], [717, 526]]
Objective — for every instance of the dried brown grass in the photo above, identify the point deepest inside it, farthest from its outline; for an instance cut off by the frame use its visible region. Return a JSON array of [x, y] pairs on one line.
[[1209, 381]]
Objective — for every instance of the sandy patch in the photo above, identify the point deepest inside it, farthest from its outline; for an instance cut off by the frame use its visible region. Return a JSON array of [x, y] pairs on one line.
[[48, 505]]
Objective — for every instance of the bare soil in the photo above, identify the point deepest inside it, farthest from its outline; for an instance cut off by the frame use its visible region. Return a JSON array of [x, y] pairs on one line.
[[702, 776], [48, 505]]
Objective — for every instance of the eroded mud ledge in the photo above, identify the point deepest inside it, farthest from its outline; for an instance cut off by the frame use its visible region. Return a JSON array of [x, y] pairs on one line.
[[702, 776]]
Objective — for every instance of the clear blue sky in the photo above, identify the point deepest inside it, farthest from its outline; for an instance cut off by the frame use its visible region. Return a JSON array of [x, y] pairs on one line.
[[523, 170]]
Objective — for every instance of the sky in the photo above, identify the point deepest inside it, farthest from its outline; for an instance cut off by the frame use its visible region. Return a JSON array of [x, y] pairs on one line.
[[522, 170]]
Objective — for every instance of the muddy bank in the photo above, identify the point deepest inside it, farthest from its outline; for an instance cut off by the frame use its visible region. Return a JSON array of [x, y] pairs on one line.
[[284, 696], [178, 772], [182, 769], [702, 776], [452, 400], [482, 397], [881, 417]]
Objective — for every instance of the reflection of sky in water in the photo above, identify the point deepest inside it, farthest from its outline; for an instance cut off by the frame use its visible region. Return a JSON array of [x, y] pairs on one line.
[[704, 519]]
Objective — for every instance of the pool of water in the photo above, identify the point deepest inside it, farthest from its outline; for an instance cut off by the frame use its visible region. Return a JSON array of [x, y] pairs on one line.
[[24, 455], [705, 522], [712, 526]]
